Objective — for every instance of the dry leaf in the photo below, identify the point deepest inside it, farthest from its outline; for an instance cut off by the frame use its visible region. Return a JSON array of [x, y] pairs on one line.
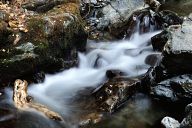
[[12, 24]]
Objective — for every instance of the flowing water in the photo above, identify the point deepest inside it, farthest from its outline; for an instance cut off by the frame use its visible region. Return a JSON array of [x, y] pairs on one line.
[[128, 56]]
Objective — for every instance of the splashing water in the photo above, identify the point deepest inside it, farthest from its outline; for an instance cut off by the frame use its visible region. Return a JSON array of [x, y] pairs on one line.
[[127, 56]]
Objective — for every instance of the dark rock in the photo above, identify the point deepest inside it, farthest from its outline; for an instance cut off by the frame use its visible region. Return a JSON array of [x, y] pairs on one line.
[[159, 41], [177, 51], [164, 93], [174, 89], [112, 73], [121, 18], [43, 5], [153, 76], [107, 21], [5, 33], [153, 59], [154, 4], [182, 7], [140, 21], [113, 93], [39, 77], [51, 43], [149, 21], [118, 12], [167, 18], [187, 121]]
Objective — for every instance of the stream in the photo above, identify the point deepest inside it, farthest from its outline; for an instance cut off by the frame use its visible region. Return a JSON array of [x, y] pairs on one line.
[[56, 92]]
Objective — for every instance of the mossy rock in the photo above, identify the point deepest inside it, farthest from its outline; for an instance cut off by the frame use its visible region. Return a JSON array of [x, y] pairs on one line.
[[51, 43]]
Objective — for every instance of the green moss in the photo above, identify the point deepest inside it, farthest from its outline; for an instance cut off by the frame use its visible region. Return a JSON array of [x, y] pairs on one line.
[[36, 33], [10, 52], [41, 49]]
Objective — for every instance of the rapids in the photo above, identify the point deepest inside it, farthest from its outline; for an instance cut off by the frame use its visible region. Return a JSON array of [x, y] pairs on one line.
[[127, 56]]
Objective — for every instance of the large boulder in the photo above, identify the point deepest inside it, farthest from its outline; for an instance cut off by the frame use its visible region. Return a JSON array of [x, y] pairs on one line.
[[175, 45], [51, 42], [177, 53], [164, 19], [109, 19], [167, 80], [119, 11]]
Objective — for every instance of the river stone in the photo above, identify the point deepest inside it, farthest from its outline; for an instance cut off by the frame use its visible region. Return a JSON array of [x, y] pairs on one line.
[[174, 89], [113, 93], [118, 12], [158, 41], [177, 52], [164, 19], [169, 122], [187, 121], [163, 92], [51, 43]]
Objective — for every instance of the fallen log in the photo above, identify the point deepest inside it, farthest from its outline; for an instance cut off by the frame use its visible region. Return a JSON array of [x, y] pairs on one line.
[[23, 101]]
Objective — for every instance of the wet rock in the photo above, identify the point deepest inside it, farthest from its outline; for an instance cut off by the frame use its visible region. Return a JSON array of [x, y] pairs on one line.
[[111, 22], [141, 21], [177, 51], [113, 93], [187, 121], [43, 5], [182, 7], [152, 77], [164, 92], [117, 13], [174, 89], [5, 34], [39, 77], [167, 18], [153, 59], [169, 122], [154, 4], [107, 21], [51, 43], [112, 73], [158, 41]]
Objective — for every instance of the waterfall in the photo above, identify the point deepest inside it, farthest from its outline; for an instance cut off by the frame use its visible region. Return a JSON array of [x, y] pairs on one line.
[[127, 56]]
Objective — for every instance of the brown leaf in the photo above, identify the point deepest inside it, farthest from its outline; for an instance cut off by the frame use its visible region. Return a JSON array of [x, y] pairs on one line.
[[13, 24]]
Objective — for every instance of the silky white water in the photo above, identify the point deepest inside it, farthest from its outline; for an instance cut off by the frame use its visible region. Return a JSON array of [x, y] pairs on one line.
[[127, 56]]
